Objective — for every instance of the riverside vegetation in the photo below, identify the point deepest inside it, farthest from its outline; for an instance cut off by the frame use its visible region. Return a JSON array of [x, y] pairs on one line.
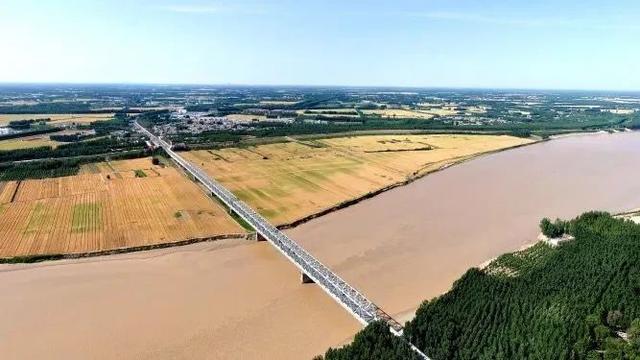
[[580, 300]]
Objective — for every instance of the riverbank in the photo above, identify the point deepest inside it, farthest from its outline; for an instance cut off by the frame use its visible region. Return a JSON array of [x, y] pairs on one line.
[[399, 248], [124, 250], [425, 169], [410, 243], [633, 215], [418, 174]]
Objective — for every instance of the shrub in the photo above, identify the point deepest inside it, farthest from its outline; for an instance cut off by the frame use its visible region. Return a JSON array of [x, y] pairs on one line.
[[552, 229]]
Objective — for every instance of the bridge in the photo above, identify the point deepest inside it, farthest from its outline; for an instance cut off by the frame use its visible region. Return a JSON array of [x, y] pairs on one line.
[[312, 270]]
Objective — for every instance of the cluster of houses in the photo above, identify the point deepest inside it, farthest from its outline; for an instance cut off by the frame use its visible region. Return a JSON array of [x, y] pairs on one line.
[[194, 122]]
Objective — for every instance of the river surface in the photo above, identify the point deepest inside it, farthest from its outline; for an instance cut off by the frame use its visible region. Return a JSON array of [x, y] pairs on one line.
[[241, 300], [413, 242]]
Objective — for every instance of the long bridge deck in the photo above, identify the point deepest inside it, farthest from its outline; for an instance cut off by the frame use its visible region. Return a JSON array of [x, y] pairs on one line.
[[343, 293]]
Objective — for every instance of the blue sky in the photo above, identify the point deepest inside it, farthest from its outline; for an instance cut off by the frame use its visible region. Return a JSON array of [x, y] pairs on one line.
[[570, 44]]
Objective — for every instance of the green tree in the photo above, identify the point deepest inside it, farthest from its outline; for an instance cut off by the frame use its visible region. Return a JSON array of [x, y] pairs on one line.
[[552, 229]]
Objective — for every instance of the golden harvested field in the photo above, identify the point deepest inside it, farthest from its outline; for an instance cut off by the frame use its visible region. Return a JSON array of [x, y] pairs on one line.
[[27, 142], [56, 118], [440, 111], [288, 181], [37, 140], [124, 168], [100, 211], [245, 117], [399, 113]]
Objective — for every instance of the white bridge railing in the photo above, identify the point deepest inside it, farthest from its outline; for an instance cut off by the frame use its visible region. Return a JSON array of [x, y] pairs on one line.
[[351, 299]]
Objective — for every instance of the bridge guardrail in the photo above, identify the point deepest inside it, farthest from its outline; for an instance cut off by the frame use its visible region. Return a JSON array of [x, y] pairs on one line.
[[350, 298]]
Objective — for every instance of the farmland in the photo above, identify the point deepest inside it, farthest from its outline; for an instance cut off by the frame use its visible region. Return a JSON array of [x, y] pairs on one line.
[[289, 181], [107, 207], [121, 168], [438, 110], [57, 119], [245, 117], [32, 141], [27, 142], [399, 113]]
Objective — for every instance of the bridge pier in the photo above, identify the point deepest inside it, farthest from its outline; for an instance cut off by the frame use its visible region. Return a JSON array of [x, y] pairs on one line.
[[306, 279], [340, 291]]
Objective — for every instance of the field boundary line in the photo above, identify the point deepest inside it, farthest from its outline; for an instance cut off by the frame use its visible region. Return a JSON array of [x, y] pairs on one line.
[[15, 192], [123, 250]]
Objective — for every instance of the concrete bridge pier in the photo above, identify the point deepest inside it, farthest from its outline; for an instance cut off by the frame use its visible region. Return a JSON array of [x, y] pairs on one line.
[[260, 237], [306, 279]]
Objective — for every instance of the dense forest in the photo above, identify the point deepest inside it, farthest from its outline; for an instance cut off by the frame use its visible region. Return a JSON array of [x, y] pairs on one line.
[[50, 168], [374, 342], [71, 137], [90, 147], [580, 300], [29, 132], [47, 108], [120, 122]]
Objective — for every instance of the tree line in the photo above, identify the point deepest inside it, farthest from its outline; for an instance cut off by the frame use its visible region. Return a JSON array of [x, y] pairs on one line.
[[92, 147], [51, 168], [581, 300]]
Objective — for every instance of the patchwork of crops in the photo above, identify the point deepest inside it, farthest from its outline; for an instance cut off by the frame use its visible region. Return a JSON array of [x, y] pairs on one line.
[[289, 181], [106, 210]]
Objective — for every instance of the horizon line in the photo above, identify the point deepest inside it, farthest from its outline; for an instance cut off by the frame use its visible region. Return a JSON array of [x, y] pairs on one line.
[[417, 87]]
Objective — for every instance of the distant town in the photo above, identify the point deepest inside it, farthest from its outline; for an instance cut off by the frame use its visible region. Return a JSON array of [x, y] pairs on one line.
[[191, 113]]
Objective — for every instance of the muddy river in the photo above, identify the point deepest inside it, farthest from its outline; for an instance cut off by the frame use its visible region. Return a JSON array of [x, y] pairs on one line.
[[240, 300]]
